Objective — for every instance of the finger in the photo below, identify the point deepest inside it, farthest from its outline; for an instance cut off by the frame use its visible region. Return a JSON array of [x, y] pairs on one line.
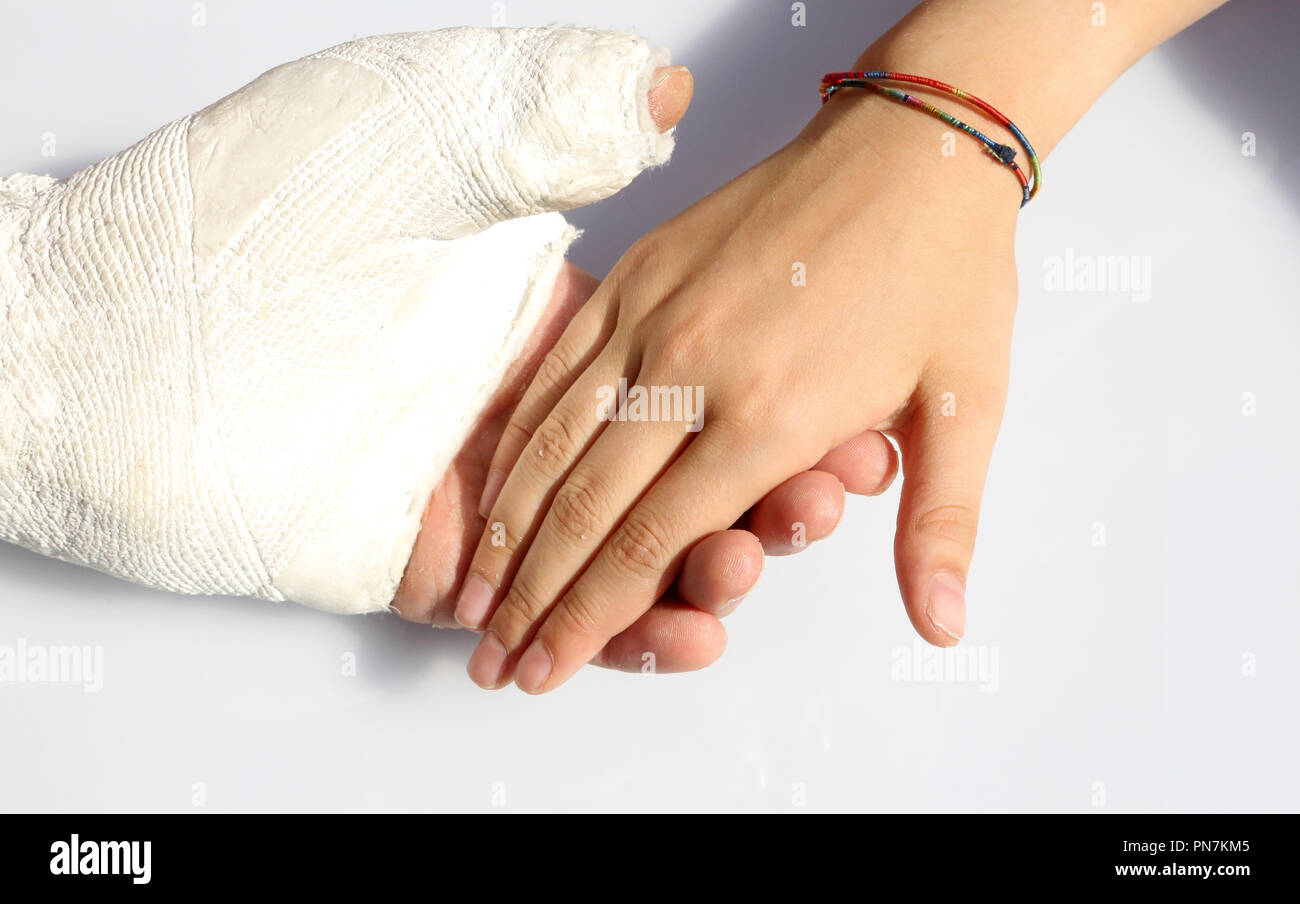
[[627, 457], [802, 510], [671, 92], [450, 527], [808, 506], [946, 449], [866, 464], [561, 438], [720, 570], [669, 97], [708, 487], [571, 355], [671, 637]]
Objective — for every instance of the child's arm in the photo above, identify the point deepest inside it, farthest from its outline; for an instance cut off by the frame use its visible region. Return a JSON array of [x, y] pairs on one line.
[[904, 324]]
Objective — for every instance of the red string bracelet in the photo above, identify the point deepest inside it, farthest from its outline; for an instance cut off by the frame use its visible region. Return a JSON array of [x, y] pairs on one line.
[[1002, 153]]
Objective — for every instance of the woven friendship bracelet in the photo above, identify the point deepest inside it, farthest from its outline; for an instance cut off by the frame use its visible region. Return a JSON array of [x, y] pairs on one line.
[[1002, 153]]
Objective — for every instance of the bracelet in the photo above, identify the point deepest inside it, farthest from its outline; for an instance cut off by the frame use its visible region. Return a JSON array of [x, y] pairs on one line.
[[1002, 153]]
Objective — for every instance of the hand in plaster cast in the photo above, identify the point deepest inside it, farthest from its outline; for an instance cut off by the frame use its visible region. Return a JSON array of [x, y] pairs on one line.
[[239, 355]]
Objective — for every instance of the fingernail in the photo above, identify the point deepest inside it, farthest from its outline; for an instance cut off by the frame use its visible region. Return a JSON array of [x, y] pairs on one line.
[[496, 479], [729, 607], [488, 662], [534, 668], [670, 95], [474, 601], [945, 606]]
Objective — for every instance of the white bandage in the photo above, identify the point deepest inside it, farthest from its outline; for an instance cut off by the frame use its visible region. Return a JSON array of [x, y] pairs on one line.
[[236, 357]]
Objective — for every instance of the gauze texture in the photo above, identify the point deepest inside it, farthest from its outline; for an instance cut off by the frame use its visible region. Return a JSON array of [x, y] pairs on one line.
[[236, 357]]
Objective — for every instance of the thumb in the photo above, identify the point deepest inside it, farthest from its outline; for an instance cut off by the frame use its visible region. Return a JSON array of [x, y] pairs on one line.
[[946, 450], [519, 121]]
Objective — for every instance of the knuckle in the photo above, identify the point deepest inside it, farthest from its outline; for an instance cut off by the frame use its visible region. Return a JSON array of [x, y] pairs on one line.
[[643, 254], [640, 547], [555, 369], [756, 413], [679, 352], [497, 542], [764, 404], [553, 445], [734, 423], [517, 432], [521, 607], [640, 279], [578, 511], [578, 615], [955, 522], [769, 421]]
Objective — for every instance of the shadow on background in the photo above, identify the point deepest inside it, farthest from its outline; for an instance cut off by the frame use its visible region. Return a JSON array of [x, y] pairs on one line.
[[756, 86], [1242, 62], [756, 78], [395, 652]]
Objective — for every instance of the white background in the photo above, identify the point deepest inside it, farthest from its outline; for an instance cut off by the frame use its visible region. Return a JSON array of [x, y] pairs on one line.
[[1119, 680]]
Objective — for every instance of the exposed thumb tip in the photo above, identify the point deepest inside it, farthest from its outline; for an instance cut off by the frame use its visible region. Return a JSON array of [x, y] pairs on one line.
[[945, 609], [670, 95]]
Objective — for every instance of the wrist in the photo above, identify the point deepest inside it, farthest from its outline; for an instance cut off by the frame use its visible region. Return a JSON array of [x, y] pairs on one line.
[[873, 141], [1041, 64]]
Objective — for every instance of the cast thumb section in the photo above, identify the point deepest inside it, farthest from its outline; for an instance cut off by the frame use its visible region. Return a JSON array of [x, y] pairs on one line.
[[531, 119]]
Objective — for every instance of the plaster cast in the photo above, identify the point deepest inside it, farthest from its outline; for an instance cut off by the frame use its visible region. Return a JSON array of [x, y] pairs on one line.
[[236, 357]]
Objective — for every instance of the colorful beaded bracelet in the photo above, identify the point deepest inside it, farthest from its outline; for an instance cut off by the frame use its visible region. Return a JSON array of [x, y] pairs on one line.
[[1002, 153]]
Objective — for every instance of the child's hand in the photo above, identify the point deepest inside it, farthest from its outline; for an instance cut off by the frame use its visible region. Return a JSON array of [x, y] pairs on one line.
[[682, 631], [904, 325]]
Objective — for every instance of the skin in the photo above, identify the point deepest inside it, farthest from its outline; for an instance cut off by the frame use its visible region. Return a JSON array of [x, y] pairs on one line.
[[682, 629], [904, 326]]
